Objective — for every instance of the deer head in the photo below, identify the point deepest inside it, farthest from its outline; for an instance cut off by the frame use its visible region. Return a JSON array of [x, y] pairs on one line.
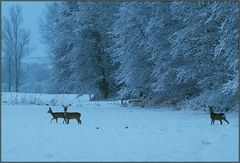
[[49, 110], [211, 108]]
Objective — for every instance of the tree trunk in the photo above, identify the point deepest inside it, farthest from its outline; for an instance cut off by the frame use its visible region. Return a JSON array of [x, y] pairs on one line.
[[16, 56], [16, 80], [9, 73]]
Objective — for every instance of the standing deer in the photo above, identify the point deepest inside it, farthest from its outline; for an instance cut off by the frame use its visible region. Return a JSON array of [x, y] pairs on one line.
[[71, 115], [217, 116], [56, 115]]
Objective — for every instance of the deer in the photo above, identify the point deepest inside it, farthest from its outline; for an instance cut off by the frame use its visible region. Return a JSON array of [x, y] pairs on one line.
[[56, 115], [217, 116], [71, 115]]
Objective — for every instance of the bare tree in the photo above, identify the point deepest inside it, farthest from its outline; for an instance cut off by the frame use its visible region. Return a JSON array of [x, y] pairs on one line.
[[7, 51], [16, 44]]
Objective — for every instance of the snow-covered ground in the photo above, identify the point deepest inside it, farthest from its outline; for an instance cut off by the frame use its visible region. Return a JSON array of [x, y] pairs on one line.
[[123, 134]]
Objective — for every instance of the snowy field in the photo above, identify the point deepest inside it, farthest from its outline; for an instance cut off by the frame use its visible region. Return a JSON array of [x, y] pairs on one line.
[[123, 134]]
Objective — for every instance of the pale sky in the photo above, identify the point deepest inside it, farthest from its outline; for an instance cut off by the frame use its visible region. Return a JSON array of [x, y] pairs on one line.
[[31, 12]]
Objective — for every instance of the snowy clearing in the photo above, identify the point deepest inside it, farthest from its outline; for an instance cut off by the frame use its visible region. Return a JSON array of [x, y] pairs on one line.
[[123, 134]]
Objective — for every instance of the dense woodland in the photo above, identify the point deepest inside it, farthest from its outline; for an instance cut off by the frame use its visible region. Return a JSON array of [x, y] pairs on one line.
[[164, 52]]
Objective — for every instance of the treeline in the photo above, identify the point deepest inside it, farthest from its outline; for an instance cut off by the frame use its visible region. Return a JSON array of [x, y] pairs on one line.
[[34, 78], [166, 52]]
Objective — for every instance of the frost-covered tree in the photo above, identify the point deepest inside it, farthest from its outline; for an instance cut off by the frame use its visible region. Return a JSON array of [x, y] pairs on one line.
[[92, 64], [226, 51], [81, 63], [159, 29], [193, 47], [134, 73], [195, 59], [54, 29]]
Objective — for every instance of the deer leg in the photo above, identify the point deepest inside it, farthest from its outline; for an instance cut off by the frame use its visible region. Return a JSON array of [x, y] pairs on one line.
[[51, 120], [78, 120], [226, 120], [212, 122], [56, 120], [220, 121]]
